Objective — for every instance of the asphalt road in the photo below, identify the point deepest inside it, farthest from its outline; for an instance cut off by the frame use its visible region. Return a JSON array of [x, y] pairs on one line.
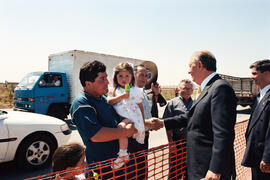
[[9, 171]]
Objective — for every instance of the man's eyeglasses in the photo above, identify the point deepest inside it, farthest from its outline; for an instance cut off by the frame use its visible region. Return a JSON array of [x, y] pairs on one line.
[[187, 89]]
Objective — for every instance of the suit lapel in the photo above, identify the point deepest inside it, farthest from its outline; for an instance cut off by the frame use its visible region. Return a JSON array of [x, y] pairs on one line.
[[258, 111], [202, 95], [205, 91]]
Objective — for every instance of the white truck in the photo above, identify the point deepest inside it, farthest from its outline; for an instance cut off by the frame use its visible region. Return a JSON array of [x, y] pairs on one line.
[[37, 93]]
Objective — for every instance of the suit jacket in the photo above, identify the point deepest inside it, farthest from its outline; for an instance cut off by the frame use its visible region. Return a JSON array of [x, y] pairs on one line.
[[175, 107], [258, 134], [210, 130]]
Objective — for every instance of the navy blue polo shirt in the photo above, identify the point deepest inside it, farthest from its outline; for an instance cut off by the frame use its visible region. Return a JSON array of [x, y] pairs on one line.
[[90, 114]]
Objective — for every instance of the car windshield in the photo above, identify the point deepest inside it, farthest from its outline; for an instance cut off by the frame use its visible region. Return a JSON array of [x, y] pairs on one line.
[[29, 80]]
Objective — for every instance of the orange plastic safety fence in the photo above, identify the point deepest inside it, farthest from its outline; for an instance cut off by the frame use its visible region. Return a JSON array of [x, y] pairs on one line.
[[242, 173], [162, 162]]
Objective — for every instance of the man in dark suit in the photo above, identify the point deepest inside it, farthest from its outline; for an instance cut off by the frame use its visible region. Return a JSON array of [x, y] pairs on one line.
[[210, 123], [257, 154]]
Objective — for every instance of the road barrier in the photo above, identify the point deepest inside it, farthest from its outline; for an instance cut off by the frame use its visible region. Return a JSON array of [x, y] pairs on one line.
[[156, 163], [242, 173]]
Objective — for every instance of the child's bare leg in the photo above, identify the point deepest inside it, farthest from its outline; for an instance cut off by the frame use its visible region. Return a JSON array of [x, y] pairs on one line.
[[123, 144]]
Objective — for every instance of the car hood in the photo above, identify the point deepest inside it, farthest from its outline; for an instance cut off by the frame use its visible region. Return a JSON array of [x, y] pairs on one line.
[[17, 117]]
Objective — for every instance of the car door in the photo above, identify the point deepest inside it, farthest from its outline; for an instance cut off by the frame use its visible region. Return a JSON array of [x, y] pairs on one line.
[[3, 137]]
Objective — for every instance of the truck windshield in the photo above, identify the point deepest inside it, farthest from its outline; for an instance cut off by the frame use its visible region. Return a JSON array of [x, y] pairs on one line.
[[29, 80]]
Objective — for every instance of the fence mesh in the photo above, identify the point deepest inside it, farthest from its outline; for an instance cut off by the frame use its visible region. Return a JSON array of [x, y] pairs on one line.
[[242, 173], [162, 162]]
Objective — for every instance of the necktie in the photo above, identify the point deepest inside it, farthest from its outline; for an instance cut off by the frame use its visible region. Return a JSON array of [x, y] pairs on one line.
[[199, 90], [257, 100]]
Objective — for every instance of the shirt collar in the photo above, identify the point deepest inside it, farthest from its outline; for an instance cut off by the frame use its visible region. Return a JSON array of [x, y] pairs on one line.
[[189, 99], [93, 97], [206, 80], [264, 90]]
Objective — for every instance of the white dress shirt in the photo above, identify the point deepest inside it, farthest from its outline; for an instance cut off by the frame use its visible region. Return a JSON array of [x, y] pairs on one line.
[[206, 80], [263, 91]]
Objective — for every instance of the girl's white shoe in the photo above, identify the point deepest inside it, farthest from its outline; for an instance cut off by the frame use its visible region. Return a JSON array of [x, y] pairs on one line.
[[121, 160]]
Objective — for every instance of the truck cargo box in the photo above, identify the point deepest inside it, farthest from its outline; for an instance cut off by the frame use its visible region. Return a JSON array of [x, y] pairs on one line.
[[244, 87], [70, 62]]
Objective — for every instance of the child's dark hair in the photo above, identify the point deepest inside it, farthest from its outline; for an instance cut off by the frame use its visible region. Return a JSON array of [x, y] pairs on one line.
[[89, 71], [120, 67], [67, 156]]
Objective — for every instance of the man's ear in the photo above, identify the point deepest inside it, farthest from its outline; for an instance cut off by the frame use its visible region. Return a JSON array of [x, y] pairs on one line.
[[200, 64], [267, 74], [88, 83]]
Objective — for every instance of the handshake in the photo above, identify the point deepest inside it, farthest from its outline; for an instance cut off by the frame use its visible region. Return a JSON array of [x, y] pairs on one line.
[[154, 123]]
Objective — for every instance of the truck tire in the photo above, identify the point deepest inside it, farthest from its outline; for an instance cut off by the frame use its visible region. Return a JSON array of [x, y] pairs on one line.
[[35, 152], [57, 111]]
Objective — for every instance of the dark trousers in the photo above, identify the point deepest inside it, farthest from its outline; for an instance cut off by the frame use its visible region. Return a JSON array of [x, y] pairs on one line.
[[257, 174], [137, 166], [177, 161]]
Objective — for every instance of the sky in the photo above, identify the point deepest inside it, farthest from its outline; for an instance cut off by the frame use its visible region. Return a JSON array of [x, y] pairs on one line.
[[167, 32]]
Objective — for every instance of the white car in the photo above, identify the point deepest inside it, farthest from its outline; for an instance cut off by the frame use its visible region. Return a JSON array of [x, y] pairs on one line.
[[29, 138]]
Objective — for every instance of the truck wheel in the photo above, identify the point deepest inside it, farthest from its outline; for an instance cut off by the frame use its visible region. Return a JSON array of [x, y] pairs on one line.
[[35, 152], [57, 111]]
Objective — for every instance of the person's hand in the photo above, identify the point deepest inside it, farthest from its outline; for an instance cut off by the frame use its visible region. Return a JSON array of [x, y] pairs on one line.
[[172, 144], [212, 176], [265, 168], [125, 95], [157, 124], [172, 147], [156, 89], [154, 123], [129, 130]]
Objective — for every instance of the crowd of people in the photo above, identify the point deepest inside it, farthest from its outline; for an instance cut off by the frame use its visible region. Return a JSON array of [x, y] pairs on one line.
[[116, 124]]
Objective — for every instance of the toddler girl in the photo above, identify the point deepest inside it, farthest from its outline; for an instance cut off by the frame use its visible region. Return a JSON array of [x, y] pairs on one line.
[[128, 104]]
